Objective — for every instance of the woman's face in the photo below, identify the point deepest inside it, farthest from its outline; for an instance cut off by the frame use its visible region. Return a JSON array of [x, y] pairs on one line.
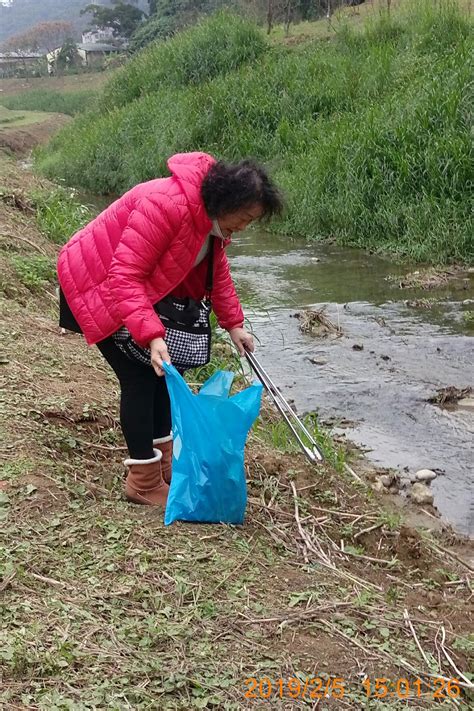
[[239, 220]]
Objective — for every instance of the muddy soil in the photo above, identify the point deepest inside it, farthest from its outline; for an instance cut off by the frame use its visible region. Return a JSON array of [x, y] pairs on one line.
[[19, 140]]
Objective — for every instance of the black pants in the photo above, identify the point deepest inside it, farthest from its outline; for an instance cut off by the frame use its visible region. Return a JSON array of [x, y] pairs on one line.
[[145, 411]]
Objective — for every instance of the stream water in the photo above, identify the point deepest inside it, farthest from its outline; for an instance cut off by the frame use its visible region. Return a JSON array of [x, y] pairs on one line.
[[378, 392]]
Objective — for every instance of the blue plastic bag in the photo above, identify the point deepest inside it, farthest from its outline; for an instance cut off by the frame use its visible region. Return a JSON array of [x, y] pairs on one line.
[[209, 433]]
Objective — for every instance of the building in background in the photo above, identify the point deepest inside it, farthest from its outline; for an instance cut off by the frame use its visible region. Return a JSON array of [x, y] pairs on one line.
[[98, 36], [91, 54], [18, 63]]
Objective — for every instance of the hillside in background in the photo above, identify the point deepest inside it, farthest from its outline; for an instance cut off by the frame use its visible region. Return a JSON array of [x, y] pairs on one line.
[[22, 14], [368, 133]]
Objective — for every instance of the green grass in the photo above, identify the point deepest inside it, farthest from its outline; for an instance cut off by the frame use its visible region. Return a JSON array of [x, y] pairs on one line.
[[213, 47], [369, 134], [59, 214], [272, 430], [72, 102], [34, 271], [12, 119]]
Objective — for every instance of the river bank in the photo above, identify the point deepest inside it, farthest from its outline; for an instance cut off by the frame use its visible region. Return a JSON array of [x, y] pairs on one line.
[[107, 608], [20, 131], [367, 133]]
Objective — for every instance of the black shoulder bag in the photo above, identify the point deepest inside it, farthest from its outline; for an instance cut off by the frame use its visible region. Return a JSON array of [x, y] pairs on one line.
[[187, 324]]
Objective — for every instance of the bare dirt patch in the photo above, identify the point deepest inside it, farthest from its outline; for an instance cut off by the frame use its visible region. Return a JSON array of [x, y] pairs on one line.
[[19, 140]]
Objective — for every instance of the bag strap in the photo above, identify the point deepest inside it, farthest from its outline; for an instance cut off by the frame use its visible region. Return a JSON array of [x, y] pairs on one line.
[[210, 267]]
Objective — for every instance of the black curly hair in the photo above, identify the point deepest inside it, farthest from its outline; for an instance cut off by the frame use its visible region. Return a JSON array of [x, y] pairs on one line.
[[229, 187]]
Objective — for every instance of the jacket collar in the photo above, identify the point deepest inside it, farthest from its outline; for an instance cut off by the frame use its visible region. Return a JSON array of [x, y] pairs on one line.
[[189, 170]]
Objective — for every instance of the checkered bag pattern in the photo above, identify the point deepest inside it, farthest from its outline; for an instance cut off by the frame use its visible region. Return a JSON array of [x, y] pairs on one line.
[[187, 324], [189, 343]]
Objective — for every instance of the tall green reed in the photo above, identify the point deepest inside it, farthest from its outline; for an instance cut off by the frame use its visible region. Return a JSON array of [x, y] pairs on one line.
[[217, 45], [368, 134]]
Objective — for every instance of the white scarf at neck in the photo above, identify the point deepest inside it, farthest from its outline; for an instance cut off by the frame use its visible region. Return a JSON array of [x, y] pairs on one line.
[[217, 232]]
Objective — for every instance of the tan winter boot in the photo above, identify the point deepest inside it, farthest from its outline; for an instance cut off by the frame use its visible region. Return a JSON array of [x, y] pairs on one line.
[[144, 483], [165, 445]]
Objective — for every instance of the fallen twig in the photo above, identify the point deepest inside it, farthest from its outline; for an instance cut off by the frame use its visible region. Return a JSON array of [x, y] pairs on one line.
[[308, 542], [453, 555], [412, 629], [323, 559], [367, 530], [7, 581], [469, 683], [370, 558], [108, 448], [350, 471], [234, 570], [316, 322], [277, 540], [24, 239], [292, 617], [399, 661], [343, 514], [50, 581]]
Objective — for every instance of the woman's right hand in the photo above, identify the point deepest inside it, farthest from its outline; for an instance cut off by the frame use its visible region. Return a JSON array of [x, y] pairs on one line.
[[159, 355]]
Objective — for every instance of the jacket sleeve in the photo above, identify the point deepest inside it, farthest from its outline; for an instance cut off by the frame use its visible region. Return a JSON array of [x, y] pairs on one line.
[[225, 302], [144, 239]]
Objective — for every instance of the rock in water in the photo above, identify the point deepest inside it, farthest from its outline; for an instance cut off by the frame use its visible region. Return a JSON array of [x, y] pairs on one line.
[[425, 475], [420, 494], [318, 361], [467, 402], [391, 480]]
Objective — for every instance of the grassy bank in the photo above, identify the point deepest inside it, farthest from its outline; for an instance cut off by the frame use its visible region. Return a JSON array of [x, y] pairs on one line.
[[13, 118], [68, 94], [368, 133], [71, 103], [104, 607]]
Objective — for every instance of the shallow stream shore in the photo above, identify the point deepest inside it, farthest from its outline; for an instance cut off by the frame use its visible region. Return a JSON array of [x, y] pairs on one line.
[[105, 607]]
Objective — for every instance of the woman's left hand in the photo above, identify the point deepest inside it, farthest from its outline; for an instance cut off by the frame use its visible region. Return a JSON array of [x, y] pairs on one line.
[[242, 339]]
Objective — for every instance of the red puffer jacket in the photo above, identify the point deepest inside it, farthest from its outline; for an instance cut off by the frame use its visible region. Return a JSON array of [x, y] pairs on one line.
[[141, 248]]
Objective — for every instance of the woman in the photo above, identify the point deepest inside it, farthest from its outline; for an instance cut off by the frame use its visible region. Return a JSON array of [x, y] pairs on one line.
[[152, 242]]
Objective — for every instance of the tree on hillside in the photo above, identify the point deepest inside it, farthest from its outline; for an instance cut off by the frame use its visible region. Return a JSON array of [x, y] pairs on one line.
[[170, 16], [285, 11], [330, 6], [166, 17], [44, 36], [68, 56], [123, 18], [183, 8], [156, 28]]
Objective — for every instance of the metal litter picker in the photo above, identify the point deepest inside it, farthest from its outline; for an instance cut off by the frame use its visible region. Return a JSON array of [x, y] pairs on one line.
[[310, 449]]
